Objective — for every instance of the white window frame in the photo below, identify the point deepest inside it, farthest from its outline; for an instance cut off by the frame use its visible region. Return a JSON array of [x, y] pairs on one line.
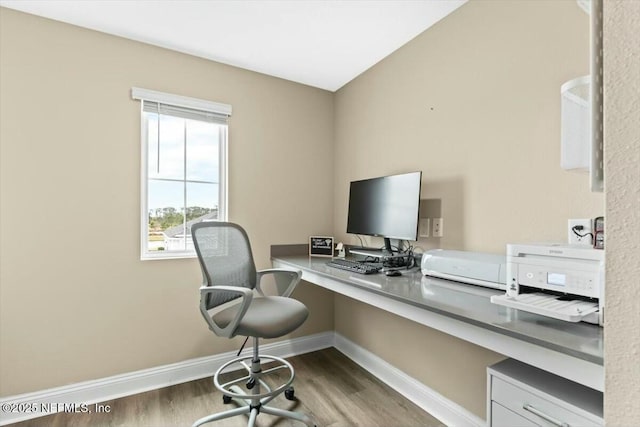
[[218, 109]]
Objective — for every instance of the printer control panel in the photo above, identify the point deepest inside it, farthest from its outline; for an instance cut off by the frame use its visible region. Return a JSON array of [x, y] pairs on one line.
[[584, 283]]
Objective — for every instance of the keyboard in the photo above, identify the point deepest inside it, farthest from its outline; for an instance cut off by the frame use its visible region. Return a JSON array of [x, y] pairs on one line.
[[355, 266]]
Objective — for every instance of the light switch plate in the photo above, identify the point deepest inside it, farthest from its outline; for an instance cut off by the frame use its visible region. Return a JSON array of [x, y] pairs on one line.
[[438, 225]]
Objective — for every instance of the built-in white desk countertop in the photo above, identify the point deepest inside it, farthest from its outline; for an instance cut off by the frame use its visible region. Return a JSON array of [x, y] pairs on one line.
[[570, 350]]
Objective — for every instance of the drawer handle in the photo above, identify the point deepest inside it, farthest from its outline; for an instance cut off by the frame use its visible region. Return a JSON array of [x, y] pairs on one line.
[[544, 416]]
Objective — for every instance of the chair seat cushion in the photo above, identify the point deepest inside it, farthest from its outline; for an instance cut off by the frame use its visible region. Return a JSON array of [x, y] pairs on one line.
[[267, 317]]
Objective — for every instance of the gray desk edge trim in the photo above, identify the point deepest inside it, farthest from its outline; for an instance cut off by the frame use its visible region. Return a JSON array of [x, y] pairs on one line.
[[289, 250]]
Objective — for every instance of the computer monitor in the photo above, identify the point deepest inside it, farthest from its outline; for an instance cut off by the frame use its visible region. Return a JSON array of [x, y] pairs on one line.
[[385, 207]]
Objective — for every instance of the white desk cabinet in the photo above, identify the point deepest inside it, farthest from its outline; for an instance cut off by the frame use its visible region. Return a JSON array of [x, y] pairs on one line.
[[520, 395]]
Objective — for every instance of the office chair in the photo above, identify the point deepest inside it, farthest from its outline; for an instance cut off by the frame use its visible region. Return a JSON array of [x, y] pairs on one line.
[[230, 277]]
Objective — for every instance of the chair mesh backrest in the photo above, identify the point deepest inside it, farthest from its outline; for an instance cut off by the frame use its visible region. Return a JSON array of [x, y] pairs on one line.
[[225, 257]]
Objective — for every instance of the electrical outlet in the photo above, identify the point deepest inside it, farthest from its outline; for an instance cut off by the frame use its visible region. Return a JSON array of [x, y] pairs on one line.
[[438, 225], [580, 232], [423, 227]]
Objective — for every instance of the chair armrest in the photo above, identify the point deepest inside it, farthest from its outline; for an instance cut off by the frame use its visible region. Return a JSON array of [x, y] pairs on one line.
[[289, 278], [229, 330]]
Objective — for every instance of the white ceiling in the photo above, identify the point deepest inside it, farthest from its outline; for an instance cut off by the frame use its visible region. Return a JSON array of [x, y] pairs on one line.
[[321, 43]]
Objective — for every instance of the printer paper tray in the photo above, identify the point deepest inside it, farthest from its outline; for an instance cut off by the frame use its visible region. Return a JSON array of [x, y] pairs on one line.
[[548, 305]]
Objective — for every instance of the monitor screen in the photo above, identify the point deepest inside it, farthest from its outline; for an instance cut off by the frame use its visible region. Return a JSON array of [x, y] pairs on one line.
[[385, 206]]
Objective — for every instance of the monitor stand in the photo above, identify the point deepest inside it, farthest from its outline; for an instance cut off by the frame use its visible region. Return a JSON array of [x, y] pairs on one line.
[[375, 253], [387, 246], [385, 253]]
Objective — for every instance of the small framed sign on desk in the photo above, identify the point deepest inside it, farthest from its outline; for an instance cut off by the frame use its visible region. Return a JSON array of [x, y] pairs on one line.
[[320, 246]]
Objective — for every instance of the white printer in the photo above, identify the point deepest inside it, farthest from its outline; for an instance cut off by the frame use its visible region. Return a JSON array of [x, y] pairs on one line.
[[474, 268], [560, 281]]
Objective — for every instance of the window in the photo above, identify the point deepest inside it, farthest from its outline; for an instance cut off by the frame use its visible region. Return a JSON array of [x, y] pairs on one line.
[[184, 170]]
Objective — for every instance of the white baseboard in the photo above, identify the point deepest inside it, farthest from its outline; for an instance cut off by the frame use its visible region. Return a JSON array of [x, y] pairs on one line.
[[445, 410], [32, 405]]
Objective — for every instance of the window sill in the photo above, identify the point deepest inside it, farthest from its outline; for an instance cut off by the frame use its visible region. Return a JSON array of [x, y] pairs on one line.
[[167, 256]]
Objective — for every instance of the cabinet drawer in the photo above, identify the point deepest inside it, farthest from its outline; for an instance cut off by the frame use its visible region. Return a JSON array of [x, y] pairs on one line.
[[502, 417], [534, 407]]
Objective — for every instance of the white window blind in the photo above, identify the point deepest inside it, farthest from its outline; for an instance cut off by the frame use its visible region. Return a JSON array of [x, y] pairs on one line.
[[150, 96], [185, 113]]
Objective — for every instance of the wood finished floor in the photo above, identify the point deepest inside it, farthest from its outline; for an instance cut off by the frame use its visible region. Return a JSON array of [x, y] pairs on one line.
[[330, 387]]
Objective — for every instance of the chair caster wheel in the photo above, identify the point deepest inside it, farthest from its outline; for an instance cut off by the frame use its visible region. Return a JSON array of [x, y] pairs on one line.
[[289, 393], [226, 399]]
